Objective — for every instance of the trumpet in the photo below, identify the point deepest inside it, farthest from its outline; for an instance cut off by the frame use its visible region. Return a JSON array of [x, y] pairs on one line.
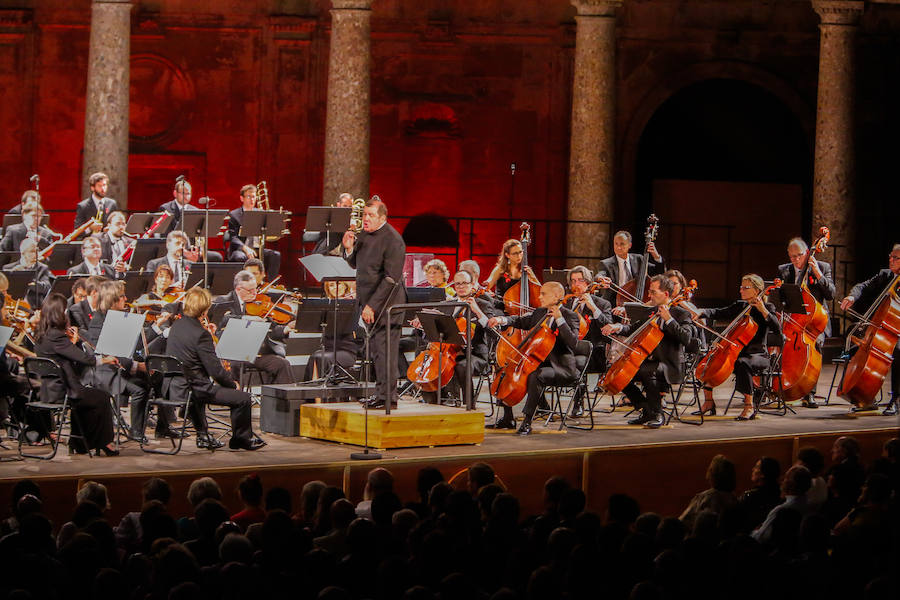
[[356, 215], [262, 203]]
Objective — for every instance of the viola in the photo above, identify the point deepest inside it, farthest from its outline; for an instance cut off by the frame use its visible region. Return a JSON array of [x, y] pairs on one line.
[[868, 367], [423, 371], [510, 382], [263, 306], [801, 361], [718, 364]]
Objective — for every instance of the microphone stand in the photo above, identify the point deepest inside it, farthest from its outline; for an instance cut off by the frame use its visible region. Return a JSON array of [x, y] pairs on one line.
[[365, 454], [180, 179], [205, 200]]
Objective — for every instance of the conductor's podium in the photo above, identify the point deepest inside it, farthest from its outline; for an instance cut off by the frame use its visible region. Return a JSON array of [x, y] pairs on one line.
[[410, 425]]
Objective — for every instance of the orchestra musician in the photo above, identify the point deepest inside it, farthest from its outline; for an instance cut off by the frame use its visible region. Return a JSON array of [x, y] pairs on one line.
[[559, 368], [191, 342], [81, 312], [181, 202], [438, 275], [863, 295], [378, 258], [239, 247], [508, 270], [597, 312], [754, 355], [114, 242], [78, 292], [624, 266], [28, 261], [95, 205], [271, 360], [28, 196], [91, 265], [29, 228], [58, 341], [471, 267], [176, 242], [482, 310], [664, 366], [331, 244], [13, 384]]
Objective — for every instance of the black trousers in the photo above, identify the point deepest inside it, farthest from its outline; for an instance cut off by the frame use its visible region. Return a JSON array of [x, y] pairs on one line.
[[652, 378], [274, 368], [895, 375], [453, 387], [271, 260], [93, 418], [137, 394], [236, 400], [380, 354], [322, 361], [744, 367]]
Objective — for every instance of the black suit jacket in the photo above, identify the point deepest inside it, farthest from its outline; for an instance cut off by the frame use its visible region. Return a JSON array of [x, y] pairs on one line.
[[328, 243], [164, 260], [594, 335], [80, 315], [378, 255], [16, 234], [82, 269], [865, 293], [87, 210], [562, 357], [106, 246], [173, 208], [274, 343], [609, 267], [234, 242], [822, 290], [35, 295], [72, 360], [193, 346], [670, 351], [480, 343]]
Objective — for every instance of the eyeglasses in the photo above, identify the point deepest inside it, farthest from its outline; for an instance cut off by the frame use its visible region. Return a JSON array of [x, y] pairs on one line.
[[747, 287], [461, 283], [893, 257]]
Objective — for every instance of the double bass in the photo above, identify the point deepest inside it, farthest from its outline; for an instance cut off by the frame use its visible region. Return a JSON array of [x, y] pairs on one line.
[[801, 361], [718, 364], [868, 367], [522, 297], [636, 289]]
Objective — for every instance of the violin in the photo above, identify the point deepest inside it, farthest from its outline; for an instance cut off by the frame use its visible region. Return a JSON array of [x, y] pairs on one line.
[[264, 307], [16, 314], [801, 361], [718, 364]]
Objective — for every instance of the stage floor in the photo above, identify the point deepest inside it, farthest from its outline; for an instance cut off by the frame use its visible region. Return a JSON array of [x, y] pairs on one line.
[[612, 433]]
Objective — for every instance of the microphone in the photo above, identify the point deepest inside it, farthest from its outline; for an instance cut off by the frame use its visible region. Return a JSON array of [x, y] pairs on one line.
[[512, 168], [206, 200]]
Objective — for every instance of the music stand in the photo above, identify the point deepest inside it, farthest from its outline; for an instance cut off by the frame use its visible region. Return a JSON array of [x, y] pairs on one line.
[[64, 256], [199, 223], [427, 295], [319, 315], [240, 341], [263, 223], [17, 218], [146, 249], [8, 257], [5, 335], [19, 282], [218, 277], [442, 329], [120, 334], [788, 299], [637, 312], [558, 275], [140, 222], [63, 284], [328, 219], [137, 283]]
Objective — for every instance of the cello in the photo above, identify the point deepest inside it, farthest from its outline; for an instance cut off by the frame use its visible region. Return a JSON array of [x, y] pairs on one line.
[[423, 370], [868, 367], [801, 361], [510, 382], [714, 368]]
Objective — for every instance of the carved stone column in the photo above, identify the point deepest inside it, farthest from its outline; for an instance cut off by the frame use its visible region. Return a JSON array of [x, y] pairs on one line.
[[592, 151], [834, 196], [106, 108], [348, 110]]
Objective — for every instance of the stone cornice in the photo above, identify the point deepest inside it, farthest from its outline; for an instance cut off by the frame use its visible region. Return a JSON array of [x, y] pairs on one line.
[[351, 4], [597, 8], [839, 12]]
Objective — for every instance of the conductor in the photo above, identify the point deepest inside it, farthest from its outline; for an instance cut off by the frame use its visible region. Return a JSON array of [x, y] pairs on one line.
[[378, 256]]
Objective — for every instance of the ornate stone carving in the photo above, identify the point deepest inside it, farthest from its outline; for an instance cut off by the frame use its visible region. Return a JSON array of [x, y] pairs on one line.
[[597, 8], [839, 12]]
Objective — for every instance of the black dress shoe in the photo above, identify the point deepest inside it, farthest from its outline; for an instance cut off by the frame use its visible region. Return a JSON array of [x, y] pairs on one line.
[[206, 441], [377, 403], [644, 417], [809, 401], [655, 422], [863, 408], [502, 424], [245, 444], [710, 411], [77, 449], [890, 411], [577, 411], [108, 451], [524, 428], [169, 433]]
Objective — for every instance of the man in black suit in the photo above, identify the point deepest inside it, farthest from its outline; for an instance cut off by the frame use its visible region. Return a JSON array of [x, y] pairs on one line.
[[96, 205], [81, 312], [181, 202], [597, 312], [28, 262], [623, 266], [862, 295], [239, 247], [271, 360], [378, 258], [27, 197], [559, 368], [91, 265], [482, 310], [664, 366], [29, 228], [175, 244], [192, 344], [113, 242]]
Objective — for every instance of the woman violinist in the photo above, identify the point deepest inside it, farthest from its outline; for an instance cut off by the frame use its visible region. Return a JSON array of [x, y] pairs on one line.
[[508, 270], [754, 354]]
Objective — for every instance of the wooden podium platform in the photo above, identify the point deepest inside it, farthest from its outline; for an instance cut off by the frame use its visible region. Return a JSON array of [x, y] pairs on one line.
[[412, 425]]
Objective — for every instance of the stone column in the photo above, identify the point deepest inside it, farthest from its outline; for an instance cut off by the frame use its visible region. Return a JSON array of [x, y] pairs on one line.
[[106, 106], [834, 196], [348, 110], [592, 150]]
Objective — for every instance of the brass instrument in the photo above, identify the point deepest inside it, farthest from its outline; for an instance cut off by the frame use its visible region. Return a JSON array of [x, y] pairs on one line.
[[356, 216], [262, 203]]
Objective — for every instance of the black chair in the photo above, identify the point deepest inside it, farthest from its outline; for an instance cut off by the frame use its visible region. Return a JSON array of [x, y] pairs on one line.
[[692, 355], [572, 389], [768, 394], [40, 368], [162, 369]]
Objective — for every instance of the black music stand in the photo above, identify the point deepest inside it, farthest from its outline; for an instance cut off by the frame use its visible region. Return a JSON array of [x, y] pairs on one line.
[[442, 329], [8, 257], [637, 312], [319, 315], [263, 223], [63, 284], [20, 282], [199, 224], [17, 218], [788, 299], [328, 219], [138, 223], [146, 250], [218, 277], [137, 283], [558, 275], [64, 256]]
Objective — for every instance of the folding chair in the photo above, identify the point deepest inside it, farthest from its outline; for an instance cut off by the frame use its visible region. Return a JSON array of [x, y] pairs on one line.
[[577, 386], [39, 368], [768, 394], [691, 358], [166, 368]]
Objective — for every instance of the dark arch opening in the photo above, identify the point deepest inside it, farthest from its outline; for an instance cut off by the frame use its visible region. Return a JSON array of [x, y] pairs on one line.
[[430, 230]]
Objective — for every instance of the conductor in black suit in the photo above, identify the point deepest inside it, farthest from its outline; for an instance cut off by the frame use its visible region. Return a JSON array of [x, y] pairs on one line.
[[97, 204], [378, 257], [239, 248], [91, 265], [664, 366], [624, 266], [559, 368]]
